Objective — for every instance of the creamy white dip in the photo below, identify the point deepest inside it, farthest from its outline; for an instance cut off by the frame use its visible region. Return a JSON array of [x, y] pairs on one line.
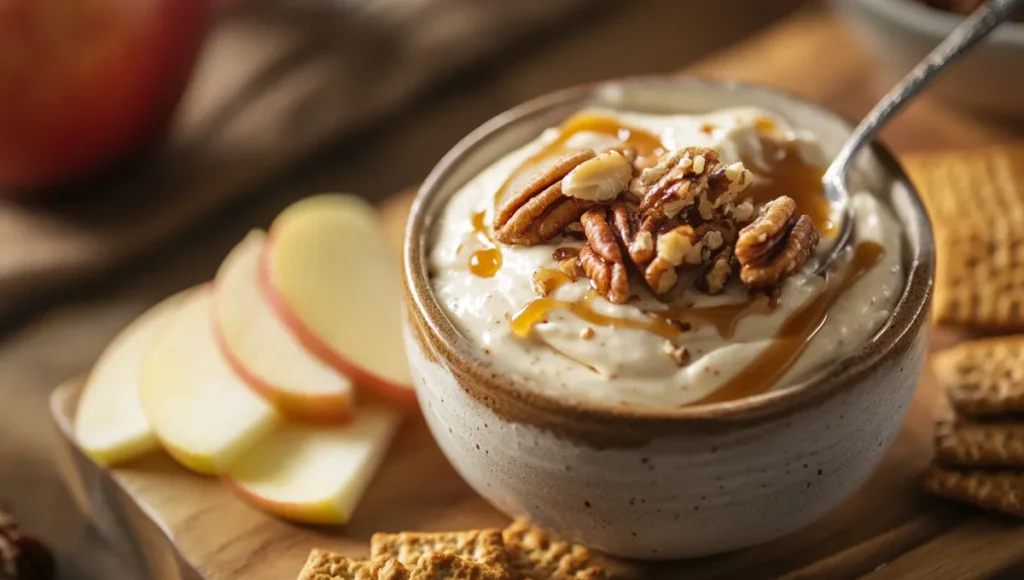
[[631, 366]]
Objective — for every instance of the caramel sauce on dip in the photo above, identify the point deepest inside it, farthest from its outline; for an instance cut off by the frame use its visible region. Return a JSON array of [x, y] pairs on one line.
[[535, 319]]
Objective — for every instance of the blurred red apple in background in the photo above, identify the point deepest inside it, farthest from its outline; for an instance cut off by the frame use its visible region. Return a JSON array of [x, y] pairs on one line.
[[83, 82]]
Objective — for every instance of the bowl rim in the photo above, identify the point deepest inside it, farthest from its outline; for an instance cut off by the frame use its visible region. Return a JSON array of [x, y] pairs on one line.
[[432, 325], [935, 21]]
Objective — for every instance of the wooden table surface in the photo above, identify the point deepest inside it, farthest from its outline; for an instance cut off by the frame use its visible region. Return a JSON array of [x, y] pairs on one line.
[[40, 348]]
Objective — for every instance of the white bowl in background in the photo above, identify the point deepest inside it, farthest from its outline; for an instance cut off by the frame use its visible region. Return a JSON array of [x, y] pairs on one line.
[[900, 32]]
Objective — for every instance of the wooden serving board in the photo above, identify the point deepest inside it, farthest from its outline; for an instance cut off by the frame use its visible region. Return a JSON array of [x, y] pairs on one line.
[[171, 524]]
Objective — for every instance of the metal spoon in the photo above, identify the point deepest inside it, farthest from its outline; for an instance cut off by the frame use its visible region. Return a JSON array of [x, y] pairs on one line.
[[974, 28]]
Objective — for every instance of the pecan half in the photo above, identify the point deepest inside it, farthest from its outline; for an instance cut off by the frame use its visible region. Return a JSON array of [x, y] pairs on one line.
[[636, 232], [760, 238], [608, 278], [539, 210], [600, 235], [797, 247]]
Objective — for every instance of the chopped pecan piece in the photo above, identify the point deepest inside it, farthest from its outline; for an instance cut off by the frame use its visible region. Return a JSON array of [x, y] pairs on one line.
[[539, 210], [718, 273], [636, 232], [796, 248], [679, 354], [570, 267], [609, 278], [759, 239], [674, 247], [565, 252], [676, 181]]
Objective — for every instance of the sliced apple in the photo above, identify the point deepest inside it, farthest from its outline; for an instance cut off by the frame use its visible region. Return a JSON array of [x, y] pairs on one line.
[[312, 474], [201, 411], [110, 424], [332, 279], [264, 352]]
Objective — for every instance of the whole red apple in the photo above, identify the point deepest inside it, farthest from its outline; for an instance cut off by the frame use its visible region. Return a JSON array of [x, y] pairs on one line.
[[83, 82]]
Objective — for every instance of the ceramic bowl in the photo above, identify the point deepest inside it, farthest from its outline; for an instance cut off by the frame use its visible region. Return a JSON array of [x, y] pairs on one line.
[[659, 483], [900, 32]]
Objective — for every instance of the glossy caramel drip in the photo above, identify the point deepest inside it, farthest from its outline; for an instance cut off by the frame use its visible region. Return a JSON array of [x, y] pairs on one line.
[[788, 174], [645, 142], [485, 262], [536, 311], [724, 318], [778, 357]]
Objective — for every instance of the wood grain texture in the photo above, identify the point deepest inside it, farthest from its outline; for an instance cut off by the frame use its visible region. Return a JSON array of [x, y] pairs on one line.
[[888, 529]]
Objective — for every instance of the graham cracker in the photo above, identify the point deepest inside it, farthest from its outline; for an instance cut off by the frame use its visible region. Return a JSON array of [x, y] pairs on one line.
[[958, 443], [433, 566], [481, 546], [1001, 491], [538, 555], [445, 566], [983, 378], [976, 202], [323, 565]]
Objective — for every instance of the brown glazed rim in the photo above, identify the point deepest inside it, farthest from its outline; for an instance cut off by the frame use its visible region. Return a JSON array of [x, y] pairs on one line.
[[515, 402]]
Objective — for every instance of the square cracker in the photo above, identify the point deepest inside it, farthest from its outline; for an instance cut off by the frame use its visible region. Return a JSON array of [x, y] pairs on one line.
[[482, 546], [538, 555], [983, 378], [323, 565], [976, 202], [434, 566], [979, 444], [445, 566], [1001, 491]]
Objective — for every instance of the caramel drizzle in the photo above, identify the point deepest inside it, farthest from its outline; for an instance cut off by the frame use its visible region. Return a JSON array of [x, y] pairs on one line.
[[484, 262], [788, 174], [778, 357], [766, 369], [645, 142], [537, 311]]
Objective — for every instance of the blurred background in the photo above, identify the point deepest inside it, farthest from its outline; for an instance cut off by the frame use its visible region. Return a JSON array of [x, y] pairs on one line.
[[140, 140]]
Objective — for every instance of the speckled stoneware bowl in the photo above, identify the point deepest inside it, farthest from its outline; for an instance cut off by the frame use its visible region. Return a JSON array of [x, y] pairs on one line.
[[649, 482]]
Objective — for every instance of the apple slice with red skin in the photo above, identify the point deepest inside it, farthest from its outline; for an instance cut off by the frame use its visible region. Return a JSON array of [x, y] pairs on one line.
[[315, 474], [262, 350], [331, 277], [204, 414]]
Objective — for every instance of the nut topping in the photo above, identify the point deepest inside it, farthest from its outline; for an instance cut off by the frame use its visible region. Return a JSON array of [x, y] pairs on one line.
[[796, 248], [539, 211], [681, 212], [599, 179], [677, 180], [636, 232], [608, 278], [758, 239]]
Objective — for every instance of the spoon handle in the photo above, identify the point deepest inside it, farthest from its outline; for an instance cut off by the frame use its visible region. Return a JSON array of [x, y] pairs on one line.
[[974, 28]]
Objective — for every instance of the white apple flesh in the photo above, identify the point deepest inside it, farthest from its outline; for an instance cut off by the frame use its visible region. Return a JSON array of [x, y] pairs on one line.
[[201, 411], [110, 424], [310, 474], [264, 352], [332, 278]]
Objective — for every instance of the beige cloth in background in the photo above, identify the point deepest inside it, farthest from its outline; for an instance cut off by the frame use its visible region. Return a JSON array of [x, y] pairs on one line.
[[271, 86]]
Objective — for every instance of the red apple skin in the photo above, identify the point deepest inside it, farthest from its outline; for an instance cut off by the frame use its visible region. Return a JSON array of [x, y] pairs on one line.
[[320, 514], [401, 395], [83, 82], [324, 410]]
